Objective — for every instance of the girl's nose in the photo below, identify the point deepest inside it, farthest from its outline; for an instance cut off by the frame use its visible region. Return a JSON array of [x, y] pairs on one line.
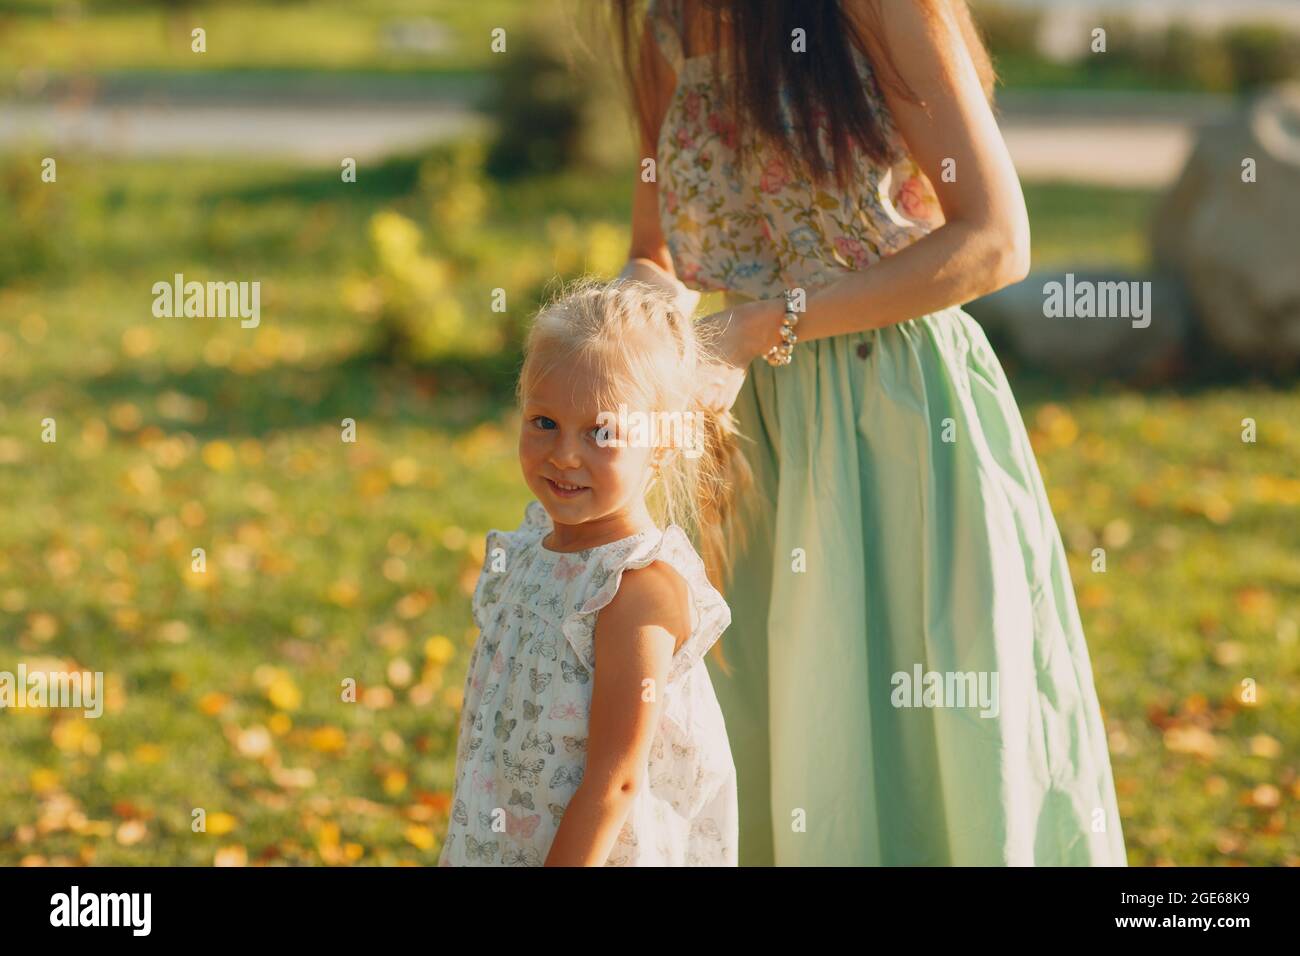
[[564, 454]]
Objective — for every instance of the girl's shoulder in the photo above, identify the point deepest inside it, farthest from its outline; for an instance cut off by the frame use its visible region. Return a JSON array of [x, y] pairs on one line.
[[504, 554], [676, 574], [519, 568], [655, 595], [502, 549], [536, 524]]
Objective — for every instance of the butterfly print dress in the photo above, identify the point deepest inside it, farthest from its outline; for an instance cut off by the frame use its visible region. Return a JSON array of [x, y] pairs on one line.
[[522, 746]]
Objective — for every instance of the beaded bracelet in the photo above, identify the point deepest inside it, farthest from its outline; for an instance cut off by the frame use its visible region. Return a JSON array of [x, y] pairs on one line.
[[782, 354]]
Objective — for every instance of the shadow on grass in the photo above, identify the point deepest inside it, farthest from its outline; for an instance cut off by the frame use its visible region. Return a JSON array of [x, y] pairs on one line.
[[461, 392], [453, 393], [388, 181], [1201, 368]]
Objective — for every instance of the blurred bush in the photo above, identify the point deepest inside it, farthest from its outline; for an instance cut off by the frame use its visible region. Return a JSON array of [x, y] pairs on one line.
[[34, 220], [538, 103], [407, 293], [434, 263], [1261, 55], [1009, 30], [1193, 58], [1237, 58], [408, 287], [452, 186], [1128, 48]]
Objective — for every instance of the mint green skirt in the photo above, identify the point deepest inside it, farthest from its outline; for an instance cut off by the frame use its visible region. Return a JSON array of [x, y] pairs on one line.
[[909, 679]]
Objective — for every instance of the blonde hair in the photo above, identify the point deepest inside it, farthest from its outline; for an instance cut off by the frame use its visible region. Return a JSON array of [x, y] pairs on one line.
[[644, 348]]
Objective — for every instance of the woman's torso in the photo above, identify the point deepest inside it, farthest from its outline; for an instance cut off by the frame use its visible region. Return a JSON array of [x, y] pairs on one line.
[[736, 218]]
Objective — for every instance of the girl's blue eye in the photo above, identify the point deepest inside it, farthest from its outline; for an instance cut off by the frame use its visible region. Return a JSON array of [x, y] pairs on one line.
[[596, 432]]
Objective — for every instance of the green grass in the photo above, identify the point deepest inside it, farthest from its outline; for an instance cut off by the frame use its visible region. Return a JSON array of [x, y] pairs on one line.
[[308, 39], [1018, 72], [1201, 592], [316, 35], [1075, 225], [328, 561]]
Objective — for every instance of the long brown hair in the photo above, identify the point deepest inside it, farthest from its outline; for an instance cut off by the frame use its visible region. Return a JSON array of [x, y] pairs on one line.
[[757, 33]]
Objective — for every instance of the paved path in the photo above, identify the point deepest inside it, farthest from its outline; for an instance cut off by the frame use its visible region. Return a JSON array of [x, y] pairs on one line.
[[313, 134], [1113, 139], [1113, 154], [1125, 140]]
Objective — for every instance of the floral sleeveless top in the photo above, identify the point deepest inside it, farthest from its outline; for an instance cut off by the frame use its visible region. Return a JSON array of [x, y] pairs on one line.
[[523, 729], [735, 218]]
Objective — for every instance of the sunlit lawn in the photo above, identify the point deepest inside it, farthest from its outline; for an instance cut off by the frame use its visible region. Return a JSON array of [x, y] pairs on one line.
[[327, 35], [329, 561], [39, 37]]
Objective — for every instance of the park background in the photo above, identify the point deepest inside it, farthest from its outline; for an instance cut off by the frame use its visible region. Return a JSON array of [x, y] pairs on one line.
[[328, 560]]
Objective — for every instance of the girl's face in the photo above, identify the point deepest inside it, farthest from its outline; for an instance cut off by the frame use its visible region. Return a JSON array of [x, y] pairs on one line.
[[567, 460]]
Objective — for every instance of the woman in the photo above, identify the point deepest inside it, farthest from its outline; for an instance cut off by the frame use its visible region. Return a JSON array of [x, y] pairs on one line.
[[908, 680]]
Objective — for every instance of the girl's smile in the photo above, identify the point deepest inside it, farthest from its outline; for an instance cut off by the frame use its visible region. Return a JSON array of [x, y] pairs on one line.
[[563, 489]]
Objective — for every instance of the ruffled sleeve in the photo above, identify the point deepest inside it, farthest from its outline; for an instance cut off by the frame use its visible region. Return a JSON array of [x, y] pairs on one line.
[[662, 16], [710, 614], [500, 552]]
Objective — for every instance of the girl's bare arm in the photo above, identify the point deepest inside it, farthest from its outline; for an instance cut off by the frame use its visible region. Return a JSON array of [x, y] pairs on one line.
[[636, 636]]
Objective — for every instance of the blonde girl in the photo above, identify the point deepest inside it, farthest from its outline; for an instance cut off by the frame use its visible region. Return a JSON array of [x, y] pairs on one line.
[[590, 734]]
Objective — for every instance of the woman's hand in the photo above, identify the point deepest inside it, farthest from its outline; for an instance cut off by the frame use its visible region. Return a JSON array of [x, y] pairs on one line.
[[648, 271], [720, 385], [738, 336], [741, 334]]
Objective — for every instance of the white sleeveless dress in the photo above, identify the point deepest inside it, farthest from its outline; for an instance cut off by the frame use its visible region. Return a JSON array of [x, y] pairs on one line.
[[522, 746]]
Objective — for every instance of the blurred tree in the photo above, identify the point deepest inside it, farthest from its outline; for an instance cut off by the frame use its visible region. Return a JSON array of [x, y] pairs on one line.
[[35, 225], [1128, 48], [1193, 58], [407, 295], [457, 194], [1262, 55], [538, 107], [1008, 31]]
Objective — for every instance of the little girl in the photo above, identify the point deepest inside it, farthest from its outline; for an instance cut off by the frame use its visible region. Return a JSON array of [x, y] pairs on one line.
[[590, 733]]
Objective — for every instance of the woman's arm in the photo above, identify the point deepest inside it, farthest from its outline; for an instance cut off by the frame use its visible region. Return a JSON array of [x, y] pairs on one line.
[[656, 82], [983, 244], [648, 258], [637, 634]]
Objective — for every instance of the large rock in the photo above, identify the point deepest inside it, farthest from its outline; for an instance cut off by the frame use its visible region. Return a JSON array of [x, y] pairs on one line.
[[1237, 244], [1082, 324]]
